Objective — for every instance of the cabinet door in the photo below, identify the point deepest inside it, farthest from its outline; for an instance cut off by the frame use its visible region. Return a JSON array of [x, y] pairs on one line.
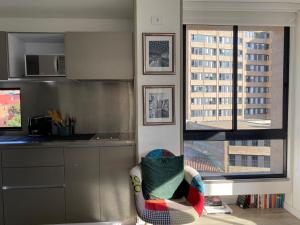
[[1, 196], [99, 55], [32, 157], [3, 56], [34, 206], [1, 209], [82, 184], [115, 192]]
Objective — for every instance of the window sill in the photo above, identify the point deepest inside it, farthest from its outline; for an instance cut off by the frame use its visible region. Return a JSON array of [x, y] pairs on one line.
[[247, 186]]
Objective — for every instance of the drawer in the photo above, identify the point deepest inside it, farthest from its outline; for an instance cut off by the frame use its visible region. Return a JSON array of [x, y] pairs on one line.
[[33, 177], [34, 207], [31, 157]]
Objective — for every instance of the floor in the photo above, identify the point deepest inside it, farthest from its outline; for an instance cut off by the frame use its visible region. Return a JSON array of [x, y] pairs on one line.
[[251, 217], [239, 217]]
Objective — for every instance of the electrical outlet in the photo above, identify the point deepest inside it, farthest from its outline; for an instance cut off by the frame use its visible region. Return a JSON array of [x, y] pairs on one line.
[[156, 20]]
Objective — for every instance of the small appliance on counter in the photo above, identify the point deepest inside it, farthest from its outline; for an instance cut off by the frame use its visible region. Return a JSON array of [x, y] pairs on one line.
[[40, 125]]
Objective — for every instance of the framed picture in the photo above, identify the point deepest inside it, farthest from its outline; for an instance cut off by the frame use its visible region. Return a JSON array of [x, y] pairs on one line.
[[159, 53], [158, 104]]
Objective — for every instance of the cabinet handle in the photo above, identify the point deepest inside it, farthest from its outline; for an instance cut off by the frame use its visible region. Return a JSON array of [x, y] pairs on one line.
[[5, 188]]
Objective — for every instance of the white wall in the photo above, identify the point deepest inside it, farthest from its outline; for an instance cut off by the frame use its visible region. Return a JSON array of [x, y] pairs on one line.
[[167, 136], [64, 24], [292, 202]]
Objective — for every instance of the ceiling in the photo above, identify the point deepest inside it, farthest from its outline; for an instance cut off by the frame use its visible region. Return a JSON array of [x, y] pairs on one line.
[[242, 5], [104, 9]]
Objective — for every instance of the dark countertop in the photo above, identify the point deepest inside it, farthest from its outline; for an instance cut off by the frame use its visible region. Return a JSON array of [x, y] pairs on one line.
[[77, 139]]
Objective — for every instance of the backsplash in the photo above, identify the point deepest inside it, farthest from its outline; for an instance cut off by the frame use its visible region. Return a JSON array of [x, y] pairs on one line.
[[98, 106]]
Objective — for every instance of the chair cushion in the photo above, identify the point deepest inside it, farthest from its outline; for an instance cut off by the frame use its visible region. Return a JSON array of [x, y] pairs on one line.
[[161, 176], [177, 211]]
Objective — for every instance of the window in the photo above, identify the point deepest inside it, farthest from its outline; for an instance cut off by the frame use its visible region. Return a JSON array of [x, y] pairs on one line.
[[254, 161], [244, 160], [225, 76], [204, 63], [204, 76], [232, 160], [203, 101], [204, 38], [257, 57], [203, 88], [226, 52], [225, 40], [257, 68], [257, 46], [238, 126], [267, 161], [204, 51]]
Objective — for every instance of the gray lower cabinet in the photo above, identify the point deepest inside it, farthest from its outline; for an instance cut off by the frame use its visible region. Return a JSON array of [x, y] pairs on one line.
[[1, 209], [1, 197], [42, 185], [115, 191], [82, 184], [32, 157], [34, 206], [33, 185]]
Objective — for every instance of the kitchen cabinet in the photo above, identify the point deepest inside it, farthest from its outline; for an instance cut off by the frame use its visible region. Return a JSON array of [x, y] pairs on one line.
[[38, 48], [3, 56], [82, 184], [34, 206], [115, 191], [32, 157], [1, 208], [99, 55], [66, 183], [33, 185], [1, 197]]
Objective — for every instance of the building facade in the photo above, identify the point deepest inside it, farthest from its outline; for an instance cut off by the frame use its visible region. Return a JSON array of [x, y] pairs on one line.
[[209, 94]]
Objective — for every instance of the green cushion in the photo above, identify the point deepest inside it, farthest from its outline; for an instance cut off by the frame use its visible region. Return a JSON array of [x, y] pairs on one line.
[[161, 176]]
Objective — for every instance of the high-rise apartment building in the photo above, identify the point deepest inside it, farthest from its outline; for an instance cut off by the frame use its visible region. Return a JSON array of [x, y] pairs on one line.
[[209, 95], [209, 77]]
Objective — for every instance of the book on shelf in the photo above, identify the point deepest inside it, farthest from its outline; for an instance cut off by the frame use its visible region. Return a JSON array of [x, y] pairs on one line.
[[261, 201], [221, 209]]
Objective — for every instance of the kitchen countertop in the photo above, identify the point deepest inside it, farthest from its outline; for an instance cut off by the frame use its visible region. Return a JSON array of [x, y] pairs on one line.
[[101, 139]]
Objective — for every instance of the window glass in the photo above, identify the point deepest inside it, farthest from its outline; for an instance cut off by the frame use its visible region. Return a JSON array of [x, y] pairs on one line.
[[209, 59], [263, 82], [215, 136], [213, 158]]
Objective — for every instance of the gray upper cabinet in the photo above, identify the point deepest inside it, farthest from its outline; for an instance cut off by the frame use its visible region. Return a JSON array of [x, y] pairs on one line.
[[4, 74], [82, 184], [99, 55]]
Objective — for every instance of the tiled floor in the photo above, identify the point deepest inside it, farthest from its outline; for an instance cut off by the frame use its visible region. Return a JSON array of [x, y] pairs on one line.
[[251, 217]]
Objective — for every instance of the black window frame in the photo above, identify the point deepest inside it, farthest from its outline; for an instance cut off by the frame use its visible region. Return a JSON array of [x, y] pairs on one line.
[[242, 134]]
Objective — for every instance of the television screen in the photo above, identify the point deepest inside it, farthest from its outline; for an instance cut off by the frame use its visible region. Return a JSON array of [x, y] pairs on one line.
[[10, 108]]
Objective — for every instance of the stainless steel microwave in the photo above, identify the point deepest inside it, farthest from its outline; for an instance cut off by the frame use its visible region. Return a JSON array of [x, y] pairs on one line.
[[44, 65]]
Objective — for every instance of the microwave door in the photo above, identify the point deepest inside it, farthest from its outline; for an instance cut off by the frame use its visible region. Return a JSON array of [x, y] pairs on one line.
[[48, 65]]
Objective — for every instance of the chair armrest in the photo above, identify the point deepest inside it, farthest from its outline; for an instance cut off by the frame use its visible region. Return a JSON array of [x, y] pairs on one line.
[[195, 195], [193, 178], [136, 182]]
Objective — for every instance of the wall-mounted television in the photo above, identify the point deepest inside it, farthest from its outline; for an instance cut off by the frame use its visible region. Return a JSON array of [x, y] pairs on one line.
[[10, 108]]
